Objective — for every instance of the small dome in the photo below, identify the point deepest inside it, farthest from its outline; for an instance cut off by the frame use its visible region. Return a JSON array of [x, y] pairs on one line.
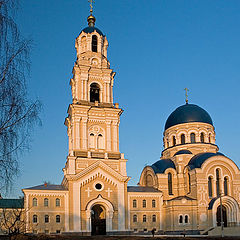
[[188, 113], [183, 152], [197, 160], [161, 165], [91, 30]]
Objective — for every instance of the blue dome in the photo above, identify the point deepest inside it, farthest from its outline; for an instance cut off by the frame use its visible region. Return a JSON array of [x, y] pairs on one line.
[[183, 152], [161, 165], [197, 160], [91, 30], [188, 113]]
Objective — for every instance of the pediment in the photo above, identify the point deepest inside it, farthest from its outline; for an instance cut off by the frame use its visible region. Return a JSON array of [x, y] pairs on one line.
[[99, 169]]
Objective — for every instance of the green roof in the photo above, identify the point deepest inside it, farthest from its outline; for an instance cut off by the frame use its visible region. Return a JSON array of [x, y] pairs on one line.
[[11, 203]]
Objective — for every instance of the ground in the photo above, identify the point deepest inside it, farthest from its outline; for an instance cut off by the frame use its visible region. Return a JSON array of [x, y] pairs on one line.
[[60, 237]]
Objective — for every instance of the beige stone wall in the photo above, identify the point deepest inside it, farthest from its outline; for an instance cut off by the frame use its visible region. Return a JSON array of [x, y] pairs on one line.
[[40, 210], [148, 211]]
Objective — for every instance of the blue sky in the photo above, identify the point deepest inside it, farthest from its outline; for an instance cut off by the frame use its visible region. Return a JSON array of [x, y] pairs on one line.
[[157, 48]]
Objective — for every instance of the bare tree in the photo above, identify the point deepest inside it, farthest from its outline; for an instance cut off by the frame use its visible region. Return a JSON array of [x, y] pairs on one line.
[[12, 222], [18, 113]]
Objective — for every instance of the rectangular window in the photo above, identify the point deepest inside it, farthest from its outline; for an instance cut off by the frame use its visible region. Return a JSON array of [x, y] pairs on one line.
[[144, 203], [153, 203], [134, 203]]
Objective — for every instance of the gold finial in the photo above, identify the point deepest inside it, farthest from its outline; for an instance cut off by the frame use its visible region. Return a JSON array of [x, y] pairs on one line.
[[91, 5], [186, 94]]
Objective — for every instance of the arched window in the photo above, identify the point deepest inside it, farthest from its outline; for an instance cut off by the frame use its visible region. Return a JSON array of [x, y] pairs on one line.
[[134, 203], [189, 183], [192, 138], [35, 218], [94, 92], [186, 219], [100, 141], [149, 180], [134, 218], [46, 218], [183, 139], [210, 187], [225, 186], [144, 203], [34, 202], [91, 141], [153, 218], [209, 137], [94, 43], [57, 202], [45, 202], [144, 218], [180, 219], [174, 140], [218, 182], [170, 192], [153, 203], [58, 218], [202, 137]]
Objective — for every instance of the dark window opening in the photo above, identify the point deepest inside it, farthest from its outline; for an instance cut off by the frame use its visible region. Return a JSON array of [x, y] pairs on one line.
[[210, 187], [192, 137], [134, 203], [46, 218], [202, 137], [189, 183], [174, 140], [98, 186], [183, 139], [186, 218], [225, 186], [180, 219], [144, 203], [170, 192], [94, 43], [94, 92], [218, 182]]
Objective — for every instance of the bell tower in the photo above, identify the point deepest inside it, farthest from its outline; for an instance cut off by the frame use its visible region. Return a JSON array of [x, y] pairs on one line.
[[93, 119]]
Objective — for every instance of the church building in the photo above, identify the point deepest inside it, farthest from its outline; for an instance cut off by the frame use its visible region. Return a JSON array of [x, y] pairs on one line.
[[192, 188]]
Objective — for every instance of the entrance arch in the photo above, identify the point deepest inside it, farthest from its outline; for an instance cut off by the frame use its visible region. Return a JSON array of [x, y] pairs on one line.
[[98, 220], [230, 209], [99, 208]]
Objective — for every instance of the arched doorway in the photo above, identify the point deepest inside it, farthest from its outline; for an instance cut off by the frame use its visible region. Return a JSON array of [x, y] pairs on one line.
[[98, 220], [224, 216]]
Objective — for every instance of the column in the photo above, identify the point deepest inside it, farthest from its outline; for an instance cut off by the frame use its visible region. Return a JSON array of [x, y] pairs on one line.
[[77, 134], [105, 92], [121, 207], [82, 89], [108, 135], [66, 213], [115, 140], [76, 208], [108, 93], [84, 133]]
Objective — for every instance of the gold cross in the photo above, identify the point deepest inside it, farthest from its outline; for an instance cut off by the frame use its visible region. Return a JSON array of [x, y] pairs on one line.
[[186, 94], [91, 5]]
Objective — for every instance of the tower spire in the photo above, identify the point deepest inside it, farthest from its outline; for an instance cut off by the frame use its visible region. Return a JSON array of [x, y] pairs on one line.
[[91, 19], [186, 94]]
